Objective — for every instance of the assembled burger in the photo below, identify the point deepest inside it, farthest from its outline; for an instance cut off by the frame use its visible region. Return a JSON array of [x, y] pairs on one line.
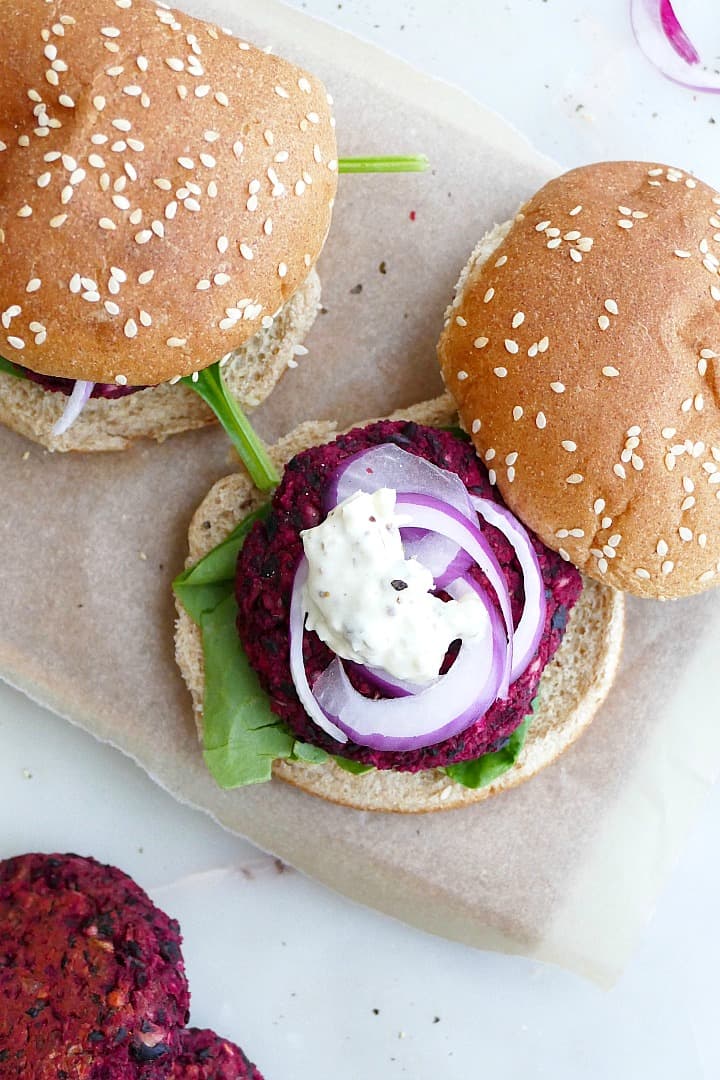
[[165, 191], [406, 625]]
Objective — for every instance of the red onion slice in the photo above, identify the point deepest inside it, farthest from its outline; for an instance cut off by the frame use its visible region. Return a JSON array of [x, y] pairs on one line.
[[74, 406], [297, 663], [427, 512], [386, 684], [388, 466], [444, 709], [529, 629], [665, 43]]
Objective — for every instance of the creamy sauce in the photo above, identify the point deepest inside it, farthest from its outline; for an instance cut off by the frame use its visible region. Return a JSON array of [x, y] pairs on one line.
[[369, 603]]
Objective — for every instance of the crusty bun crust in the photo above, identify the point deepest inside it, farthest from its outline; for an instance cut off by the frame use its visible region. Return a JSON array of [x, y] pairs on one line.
[[573, 685], [164, 410], [164, 189], [582, 350]]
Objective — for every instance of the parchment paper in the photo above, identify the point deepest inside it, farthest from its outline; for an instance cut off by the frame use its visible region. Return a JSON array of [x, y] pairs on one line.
[[565, 868]]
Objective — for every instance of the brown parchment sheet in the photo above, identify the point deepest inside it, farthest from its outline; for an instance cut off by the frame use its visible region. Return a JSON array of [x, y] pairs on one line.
[[565, 868]]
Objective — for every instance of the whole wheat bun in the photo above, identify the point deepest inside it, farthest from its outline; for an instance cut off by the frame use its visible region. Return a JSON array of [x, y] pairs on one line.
[[250, 374], [582, 351], [164, 189], [573, 685]]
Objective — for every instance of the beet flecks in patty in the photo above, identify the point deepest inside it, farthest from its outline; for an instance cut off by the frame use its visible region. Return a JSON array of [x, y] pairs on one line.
[[272, 552]]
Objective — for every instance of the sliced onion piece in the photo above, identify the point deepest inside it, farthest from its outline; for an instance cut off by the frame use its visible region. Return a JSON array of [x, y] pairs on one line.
[[665, 43], [427, 512], [385, 683], [440, 556], [388, 466], [529, 629], [75, 404], [297, 663], [447, 707]]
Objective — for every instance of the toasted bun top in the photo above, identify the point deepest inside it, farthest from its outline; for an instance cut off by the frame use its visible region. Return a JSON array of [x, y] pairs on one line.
[[584, 356], [164, 188]]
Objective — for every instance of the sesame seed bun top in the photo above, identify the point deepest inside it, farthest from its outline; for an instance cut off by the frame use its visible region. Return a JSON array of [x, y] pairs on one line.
[[164, 189], [583, 350]]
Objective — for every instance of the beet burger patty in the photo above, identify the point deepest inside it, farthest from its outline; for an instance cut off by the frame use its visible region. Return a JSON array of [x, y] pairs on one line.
[[273, 551], [203, 1055], [92, 980]]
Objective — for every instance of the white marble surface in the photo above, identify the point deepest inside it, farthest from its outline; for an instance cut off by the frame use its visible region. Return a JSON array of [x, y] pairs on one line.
[[281, 964]]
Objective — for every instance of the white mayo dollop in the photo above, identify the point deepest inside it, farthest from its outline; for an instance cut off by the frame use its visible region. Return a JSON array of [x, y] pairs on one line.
[[370, 604]]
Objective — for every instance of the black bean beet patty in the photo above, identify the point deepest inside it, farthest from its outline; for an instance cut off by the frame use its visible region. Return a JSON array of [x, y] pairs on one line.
[[203, 1055], [109, 391], [272, 552], [92, 981]]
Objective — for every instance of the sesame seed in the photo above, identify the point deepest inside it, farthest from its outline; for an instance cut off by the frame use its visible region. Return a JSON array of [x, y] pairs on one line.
[[611, 306], [480, 343], [511, 346], [221, 279], [517, 412], [171, 210], [476, 425], [543, 344], [130, 329], [26, 211], [268, 227], [16, 342], [540, 420], [554, 243], [146, 277], [682, 254], [145, 318], [58, 221], [33, 285], [574, 234], [624, 223], [510, 459], [569, 445], [642, 573], [563, 554], [603, 322], [203, 285], [501, 261], [685, 534], [176, 342], [561, 534], [492, 477], [247, 252], [575, 211], [637, 463], [222, 99], [490, 454], [252, 203], [557, 387], [460, 321], [610, 372], [541, 226], [281, 92], [143, 237], [501, 372], [575, 255], [462, 375], [625, 210], [577, 533], [186, 163], [511, 474], [533, 350], [488, 296], [574, 478], [111, 307], [668, 566], [518, 319], [585, 244], [619, 471]]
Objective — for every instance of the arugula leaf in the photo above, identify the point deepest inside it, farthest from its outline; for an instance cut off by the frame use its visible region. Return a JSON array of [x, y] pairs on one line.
[[10, 369], [203, 586], [210, 385], [488, 767], [241, 734], [311, 755], [417, 163], [355, 767]]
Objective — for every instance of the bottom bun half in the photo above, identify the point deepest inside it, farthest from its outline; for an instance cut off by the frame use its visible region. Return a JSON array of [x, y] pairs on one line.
[[574, 684], [161, 411]]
